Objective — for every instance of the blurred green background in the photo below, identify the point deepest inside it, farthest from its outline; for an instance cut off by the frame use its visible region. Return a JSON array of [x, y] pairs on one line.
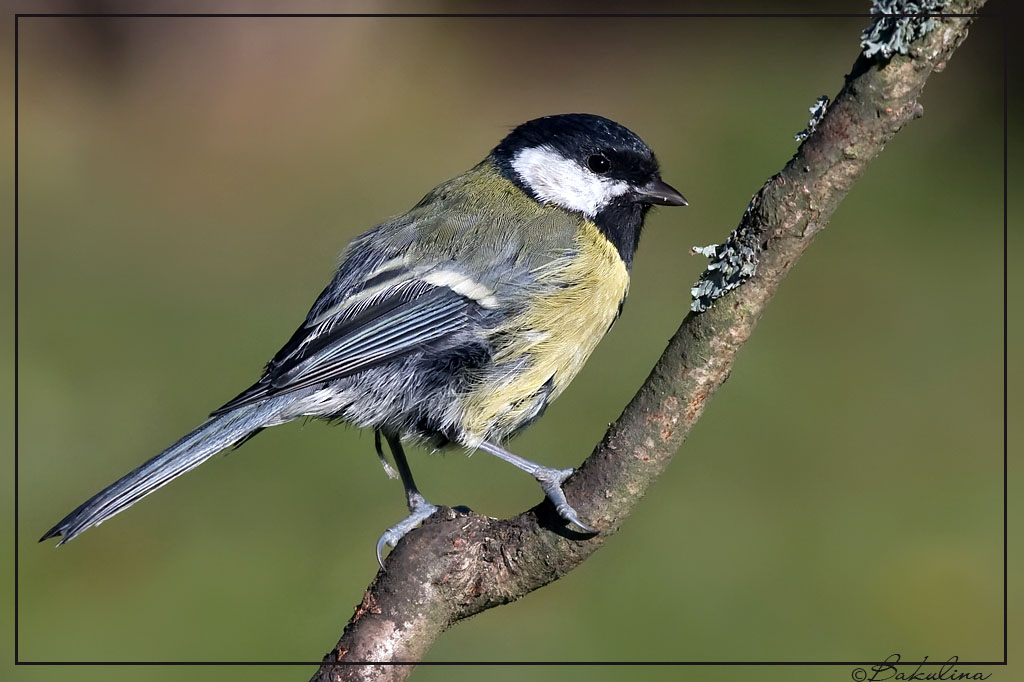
[[186, 185]]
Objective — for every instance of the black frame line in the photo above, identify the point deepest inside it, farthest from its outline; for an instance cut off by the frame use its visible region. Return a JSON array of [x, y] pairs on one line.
[[1006, 118], [510, 15], [529, 15]]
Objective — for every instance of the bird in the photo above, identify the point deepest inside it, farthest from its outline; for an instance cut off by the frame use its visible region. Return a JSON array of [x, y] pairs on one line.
[[456, 323]]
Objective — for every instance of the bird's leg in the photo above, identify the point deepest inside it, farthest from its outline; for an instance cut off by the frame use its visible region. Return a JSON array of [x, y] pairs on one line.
[[419, 508], [388, 469], [550, 482]]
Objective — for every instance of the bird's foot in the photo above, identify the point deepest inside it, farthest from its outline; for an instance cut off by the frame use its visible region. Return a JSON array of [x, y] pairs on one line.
[[551, 483], [419, 511]]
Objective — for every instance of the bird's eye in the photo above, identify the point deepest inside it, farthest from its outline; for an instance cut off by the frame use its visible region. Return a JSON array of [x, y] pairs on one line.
[[599, 163]]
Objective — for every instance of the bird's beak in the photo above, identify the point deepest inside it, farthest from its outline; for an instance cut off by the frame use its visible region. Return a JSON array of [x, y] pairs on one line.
[[659, 192]]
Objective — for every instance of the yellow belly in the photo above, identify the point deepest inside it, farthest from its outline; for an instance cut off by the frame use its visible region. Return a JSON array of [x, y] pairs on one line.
[[540, 351]]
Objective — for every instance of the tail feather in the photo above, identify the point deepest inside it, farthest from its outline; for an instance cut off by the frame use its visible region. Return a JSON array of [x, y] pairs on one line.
[[207, 440]]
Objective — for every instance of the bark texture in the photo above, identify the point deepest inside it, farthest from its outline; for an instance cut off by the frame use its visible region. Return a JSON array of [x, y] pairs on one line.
[[457, 565]]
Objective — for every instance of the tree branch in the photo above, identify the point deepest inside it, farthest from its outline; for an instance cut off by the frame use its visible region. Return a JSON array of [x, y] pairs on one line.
[[457, 565]]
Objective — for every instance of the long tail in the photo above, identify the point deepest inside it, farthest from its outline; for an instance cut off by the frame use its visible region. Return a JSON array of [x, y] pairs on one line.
[[216, 434]]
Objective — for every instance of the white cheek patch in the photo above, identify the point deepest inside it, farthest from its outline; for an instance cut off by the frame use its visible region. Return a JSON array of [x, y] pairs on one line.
[[558, 180]]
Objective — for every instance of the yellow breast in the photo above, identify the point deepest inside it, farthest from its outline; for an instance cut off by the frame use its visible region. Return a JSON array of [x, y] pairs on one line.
[[541, 350]]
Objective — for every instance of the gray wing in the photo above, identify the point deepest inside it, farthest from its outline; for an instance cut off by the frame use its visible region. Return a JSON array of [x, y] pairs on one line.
[[402, 319]]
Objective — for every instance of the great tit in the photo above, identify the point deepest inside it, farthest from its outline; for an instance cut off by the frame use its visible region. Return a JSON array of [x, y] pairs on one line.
[[457, 322]]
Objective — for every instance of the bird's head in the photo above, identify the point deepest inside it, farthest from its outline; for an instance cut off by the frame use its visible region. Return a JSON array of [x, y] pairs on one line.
[[583, 163], [588, 165]]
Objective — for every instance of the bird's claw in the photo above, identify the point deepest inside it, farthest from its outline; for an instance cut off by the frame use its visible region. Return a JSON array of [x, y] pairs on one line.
[[419, 511], [551, 483], [570, 515]]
